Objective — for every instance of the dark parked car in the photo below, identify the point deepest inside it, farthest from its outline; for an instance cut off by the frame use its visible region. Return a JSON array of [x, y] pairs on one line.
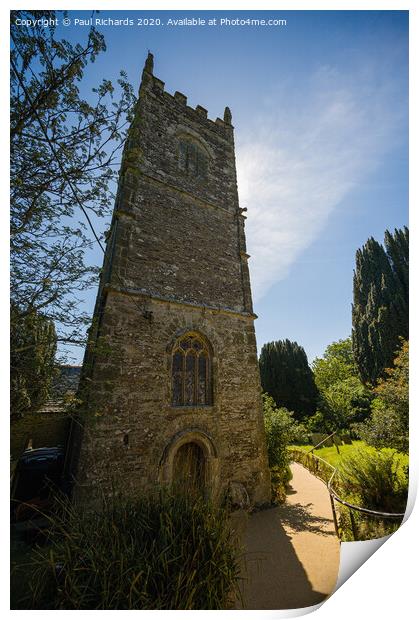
[[37, 477]]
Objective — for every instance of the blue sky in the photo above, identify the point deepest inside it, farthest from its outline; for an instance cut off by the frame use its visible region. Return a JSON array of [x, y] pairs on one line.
[[320, 114]]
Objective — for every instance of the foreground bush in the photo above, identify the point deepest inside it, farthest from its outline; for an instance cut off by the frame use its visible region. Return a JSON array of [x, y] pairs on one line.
[[377, 479], [160, 552]]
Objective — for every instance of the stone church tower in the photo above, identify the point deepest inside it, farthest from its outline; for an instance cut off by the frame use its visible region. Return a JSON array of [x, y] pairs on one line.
[[171, 378]]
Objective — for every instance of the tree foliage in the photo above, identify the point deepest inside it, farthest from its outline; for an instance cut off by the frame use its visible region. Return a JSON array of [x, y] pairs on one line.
[[337, 364], [33, 347], [380, 303], [343, 399], [64, 147], [287, 377], [388, 425]]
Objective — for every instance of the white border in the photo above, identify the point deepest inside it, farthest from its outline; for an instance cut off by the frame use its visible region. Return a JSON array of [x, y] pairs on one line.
[[385, 587]]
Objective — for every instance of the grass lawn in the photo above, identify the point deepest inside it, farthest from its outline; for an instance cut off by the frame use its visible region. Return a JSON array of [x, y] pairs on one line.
[[331, 454]]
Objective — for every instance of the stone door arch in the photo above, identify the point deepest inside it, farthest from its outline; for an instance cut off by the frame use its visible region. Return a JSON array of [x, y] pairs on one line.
[[191, 457]]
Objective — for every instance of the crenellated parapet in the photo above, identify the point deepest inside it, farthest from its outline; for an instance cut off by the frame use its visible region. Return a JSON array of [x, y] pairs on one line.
[[153, 84]]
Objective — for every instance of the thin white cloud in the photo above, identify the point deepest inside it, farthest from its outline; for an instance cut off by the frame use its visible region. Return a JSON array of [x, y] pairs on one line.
[[302, 157]]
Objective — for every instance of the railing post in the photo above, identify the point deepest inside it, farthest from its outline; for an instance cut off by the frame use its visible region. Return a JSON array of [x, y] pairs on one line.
[[353, 525], [335, 521]]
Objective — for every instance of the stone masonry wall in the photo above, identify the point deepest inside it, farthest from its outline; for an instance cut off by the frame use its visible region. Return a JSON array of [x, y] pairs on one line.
[[131, 385], [174, 247]]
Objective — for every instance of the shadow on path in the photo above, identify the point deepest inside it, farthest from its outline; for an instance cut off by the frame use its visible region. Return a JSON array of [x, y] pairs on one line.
[[291, 553], [300, 518], [272, 575]]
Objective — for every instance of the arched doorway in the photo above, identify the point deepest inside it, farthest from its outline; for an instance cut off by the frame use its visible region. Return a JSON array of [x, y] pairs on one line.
[[190, 460], [189, 468]]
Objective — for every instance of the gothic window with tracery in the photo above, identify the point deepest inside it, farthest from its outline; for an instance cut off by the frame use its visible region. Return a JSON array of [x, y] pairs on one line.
[[191, 372], [192, 159]]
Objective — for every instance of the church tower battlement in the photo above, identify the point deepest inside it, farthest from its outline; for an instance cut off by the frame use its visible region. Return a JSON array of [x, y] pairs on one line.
[[178, 179], [172, 383]]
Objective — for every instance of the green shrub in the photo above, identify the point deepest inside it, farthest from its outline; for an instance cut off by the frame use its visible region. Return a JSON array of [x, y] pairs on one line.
[[278, 427], [376, 479], [299, 434], [280, 477], [388, 425], [161, 551], [383, 429], [318, 424]]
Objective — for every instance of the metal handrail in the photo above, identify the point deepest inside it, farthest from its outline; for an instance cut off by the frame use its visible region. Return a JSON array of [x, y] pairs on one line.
[[321, 442], [335, 497], [374, 513]]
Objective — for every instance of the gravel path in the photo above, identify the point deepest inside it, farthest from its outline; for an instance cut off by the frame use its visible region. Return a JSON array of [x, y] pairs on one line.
[[291, 552]]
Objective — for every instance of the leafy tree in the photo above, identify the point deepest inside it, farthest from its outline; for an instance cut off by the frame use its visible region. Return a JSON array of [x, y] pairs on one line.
[[346, 401], [337, 364], [33, 346], [343, 399], [380, 303], [64, 148], [287, 377], [388, 425]]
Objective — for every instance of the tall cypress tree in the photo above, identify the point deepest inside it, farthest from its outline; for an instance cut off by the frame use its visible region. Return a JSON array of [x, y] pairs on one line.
[[380, 306], [287, 377], [397, 248]]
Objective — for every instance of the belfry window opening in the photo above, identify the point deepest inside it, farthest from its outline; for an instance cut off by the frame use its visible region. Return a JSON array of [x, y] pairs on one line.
[[192, 159]]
